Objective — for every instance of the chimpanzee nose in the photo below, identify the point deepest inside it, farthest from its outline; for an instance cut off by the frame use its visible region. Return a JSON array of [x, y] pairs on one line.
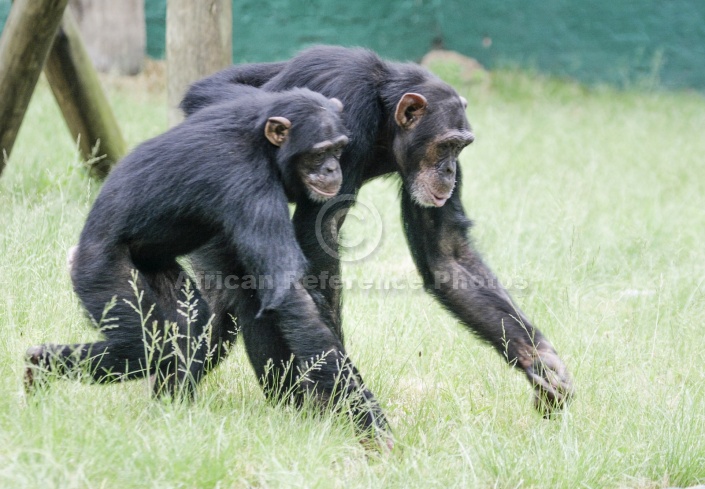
[[330, 167], [447, 169]]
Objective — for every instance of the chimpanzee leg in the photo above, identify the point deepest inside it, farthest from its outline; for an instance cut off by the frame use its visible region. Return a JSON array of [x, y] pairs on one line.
[[102, 282], [136, 344], [217, 87], [269, 354], [234, 310], [215, 267], [184, 348]]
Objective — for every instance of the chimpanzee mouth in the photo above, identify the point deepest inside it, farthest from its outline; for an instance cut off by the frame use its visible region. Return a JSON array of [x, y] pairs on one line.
[[438, 200], [323, 193]]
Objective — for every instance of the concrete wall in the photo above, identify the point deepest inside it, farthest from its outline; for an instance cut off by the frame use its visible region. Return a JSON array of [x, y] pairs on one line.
[[615, 41]]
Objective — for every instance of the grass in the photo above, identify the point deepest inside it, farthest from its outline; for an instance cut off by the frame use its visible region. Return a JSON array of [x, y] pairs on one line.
[[588, 203]]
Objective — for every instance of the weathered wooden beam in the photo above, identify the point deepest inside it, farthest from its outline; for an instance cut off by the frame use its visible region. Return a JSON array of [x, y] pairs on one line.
[[78, 91], [113, 32], [24, 46], [199, 39]]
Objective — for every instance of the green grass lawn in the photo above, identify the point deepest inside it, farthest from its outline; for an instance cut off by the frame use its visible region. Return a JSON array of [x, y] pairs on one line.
[[589, 204]]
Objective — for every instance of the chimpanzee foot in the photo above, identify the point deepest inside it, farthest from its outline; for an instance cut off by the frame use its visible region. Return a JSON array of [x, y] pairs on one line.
[[35, 359], [553, 387]]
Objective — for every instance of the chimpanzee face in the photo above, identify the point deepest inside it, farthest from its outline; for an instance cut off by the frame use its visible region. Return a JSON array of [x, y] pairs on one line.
[[319, 169], [312, 148], [432, 131]]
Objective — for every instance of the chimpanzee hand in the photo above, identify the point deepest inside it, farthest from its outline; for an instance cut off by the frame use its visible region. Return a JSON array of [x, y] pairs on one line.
[[553, 387], [377, 435]]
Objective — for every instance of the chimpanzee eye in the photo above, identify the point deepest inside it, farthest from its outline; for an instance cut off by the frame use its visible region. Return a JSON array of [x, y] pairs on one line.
[[446, 150], [455, 148]]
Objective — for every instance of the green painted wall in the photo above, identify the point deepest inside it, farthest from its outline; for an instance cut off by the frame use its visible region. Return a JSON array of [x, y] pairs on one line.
[[620, 42], [4, 10]]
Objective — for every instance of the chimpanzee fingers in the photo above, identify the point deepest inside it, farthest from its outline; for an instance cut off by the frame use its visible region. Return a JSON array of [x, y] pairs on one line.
[[371, 422], [349, 393], [366, 412], [383, 443], [553, 387]]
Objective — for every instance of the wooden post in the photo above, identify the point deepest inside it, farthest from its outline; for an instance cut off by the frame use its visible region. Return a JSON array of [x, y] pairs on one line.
[[77, 90], [24, 45], [198, 43], [113, 32]]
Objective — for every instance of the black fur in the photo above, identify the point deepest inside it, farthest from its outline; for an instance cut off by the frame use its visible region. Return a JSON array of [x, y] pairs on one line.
[[370, 89], [213, 178]]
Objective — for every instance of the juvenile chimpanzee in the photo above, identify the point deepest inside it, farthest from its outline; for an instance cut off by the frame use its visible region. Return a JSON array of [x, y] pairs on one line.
[[227, 172], [401, 119]]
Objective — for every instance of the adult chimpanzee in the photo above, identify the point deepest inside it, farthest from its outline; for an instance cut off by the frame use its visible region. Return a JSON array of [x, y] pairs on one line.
[[229, 172], [401, 119]]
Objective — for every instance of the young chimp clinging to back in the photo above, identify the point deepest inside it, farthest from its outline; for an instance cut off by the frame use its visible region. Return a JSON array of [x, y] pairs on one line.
[[229, 172]]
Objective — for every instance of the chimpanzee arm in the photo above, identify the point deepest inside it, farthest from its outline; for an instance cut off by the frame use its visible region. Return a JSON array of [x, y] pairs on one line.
[[222, 85], [455, 274], [264, 238], [321, 250]]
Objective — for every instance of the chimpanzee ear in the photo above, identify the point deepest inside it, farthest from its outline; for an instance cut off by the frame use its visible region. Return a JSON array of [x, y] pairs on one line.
[[277, 130], [464, 101], [410, 109], [338, 104]]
